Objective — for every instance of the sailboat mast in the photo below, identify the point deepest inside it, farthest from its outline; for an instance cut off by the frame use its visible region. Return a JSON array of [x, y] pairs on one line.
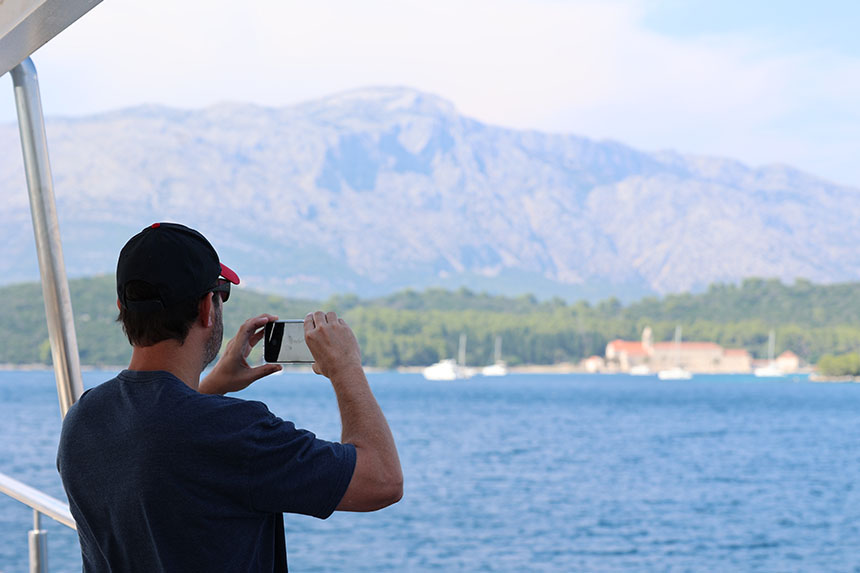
[[462, 353], [771, 344]]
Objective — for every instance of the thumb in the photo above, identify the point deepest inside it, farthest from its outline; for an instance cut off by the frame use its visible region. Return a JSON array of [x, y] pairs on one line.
[[264, 370]]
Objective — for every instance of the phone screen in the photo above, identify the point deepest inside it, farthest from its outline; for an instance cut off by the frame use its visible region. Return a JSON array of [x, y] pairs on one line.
[[284, 341]]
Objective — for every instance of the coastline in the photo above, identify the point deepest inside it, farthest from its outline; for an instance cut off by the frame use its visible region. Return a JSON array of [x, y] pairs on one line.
[[561, 368], [833, 379]]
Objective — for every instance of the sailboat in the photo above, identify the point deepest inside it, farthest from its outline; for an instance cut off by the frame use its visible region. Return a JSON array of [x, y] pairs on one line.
[[677, 372], [771, 370], [450, 369], [498, 367]]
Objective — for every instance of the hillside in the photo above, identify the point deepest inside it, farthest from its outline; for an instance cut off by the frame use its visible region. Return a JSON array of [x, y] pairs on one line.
[[412, 328], [382, 189]]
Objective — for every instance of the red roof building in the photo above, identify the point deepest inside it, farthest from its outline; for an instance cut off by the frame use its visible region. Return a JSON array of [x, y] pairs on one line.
[[703, 357]]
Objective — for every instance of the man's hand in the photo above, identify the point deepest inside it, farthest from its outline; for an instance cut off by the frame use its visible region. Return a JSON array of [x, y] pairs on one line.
[[232, 372], [332, 343]]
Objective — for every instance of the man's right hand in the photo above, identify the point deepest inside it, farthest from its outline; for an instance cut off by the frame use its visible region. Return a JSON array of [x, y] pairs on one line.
[[332, 343]]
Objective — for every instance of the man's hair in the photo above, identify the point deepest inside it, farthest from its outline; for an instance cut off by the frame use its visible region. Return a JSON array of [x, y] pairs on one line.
[[148, 328]]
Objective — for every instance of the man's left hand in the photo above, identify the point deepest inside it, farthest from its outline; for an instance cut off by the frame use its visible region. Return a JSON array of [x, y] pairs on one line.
[[232, 372]]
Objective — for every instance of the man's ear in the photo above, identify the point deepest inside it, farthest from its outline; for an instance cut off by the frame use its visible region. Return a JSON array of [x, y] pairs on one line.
[[205, 311], [118, 305]]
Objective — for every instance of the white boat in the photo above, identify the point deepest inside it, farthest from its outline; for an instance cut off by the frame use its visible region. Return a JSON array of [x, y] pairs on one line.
[[498, 367], [677, 372], [450, 369], [640, 370], [443, 370], [771, 370]]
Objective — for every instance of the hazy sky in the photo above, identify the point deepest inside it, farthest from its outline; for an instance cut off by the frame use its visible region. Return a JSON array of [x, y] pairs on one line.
[[762, 81]]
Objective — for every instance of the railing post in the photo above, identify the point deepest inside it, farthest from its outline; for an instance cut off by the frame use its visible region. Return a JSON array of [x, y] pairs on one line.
[[38, 539], [55, 286]]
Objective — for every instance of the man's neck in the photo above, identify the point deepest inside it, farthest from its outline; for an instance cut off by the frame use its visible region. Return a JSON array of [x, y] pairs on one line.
[[169, 356]]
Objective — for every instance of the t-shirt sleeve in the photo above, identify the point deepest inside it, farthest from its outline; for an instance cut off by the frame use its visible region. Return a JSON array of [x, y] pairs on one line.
[[292, 471]]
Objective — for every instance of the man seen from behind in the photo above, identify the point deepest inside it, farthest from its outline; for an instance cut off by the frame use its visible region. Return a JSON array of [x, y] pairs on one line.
[[165, 473]]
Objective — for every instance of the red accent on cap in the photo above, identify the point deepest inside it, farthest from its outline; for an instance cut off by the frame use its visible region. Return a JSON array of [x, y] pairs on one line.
[[156, 225], [229, 274]]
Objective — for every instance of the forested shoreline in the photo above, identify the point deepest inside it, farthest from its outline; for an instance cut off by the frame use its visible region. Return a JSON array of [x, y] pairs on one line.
[[412, 328]]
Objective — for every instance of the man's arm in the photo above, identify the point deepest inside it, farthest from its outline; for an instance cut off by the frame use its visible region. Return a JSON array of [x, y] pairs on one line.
[[378, 479]]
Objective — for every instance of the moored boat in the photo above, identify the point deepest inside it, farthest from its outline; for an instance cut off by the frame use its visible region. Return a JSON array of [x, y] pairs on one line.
[[442, 370], [499, 367], [678, 372], [450, 369], [771, 370]]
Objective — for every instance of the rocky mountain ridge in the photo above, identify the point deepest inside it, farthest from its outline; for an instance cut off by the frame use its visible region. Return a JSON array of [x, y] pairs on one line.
[[384, 188]]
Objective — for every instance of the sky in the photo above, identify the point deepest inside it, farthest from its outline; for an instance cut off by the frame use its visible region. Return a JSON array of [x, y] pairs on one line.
[[760, 81]]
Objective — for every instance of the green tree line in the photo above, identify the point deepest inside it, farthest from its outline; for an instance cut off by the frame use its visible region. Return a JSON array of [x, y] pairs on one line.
[[843, 365], [411, 328]]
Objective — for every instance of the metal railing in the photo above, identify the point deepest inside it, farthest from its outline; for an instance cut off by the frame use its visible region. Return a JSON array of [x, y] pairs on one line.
[[55, 286], [42, 504], [55, 291], [24, 27]]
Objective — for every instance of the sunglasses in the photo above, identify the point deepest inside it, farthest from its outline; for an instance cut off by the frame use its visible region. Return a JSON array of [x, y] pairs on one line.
[[222, 287]]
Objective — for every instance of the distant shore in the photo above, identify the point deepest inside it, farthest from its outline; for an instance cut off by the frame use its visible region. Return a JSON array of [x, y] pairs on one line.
[[833, 379], [561, 368]]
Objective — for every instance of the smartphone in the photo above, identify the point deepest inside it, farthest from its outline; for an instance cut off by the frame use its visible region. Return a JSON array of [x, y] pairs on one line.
[[284, 341]]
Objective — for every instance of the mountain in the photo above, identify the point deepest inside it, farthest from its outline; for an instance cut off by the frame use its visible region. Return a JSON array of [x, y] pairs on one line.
[[379, 189]]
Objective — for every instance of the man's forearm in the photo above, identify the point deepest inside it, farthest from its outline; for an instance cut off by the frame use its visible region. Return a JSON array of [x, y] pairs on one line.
[[377, 480], [365, 426]]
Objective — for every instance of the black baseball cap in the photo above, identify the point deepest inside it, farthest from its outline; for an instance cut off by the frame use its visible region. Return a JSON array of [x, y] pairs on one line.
[[177, 261]]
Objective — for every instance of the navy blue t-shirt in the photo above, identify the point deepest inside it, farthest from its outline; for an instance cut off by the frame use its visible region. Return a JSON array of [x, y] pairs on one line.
[[163, 478]]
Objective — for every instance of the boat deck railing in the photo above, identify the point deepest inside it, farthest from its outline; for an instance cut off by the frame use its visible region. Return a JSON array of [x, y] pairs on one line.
[[24, 27], [55, 292], [42, 504]]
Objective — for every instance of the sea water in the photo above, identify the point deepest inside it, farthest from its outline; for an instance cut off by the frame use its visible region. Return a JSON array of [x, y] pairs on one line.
[[544, 473]]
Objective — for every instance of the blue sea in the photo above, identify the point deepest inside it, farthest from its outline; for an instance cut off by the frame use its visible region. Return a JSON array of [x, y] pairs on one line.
[[544, 473]]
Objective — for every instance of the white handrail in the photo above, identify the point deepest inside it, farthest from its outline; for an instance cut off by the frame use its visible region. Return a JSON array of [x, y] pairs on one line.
[[39, 501]]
